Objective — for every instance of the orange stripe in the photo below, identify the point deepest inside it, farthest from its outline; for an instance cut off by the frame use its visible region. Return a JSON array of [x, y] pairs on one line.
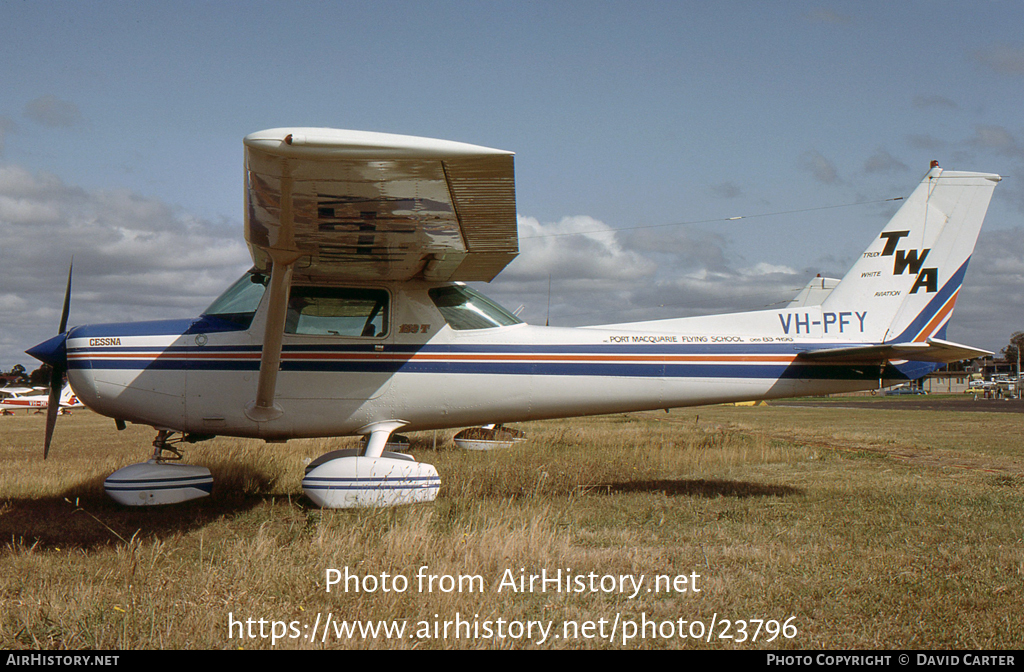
[[933, 325]]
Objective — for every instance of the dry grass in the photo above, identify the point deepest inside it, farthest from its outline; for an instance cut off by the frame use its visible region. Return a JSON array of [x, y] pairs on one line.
[[815, 514]]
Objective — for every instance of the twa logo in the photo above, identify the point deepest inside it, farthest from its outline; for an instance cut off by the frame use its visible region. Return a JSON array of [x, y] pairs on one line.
[[911, 260]]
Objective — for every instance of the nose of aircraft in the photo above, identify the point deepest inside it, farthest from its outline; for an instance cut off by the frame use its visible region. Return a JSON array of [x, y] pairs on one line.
[[52, 351]]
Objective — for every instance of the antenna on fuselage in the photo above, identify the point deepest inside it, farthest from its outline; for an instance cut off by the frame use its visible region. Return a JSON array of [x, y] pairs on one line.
[[547, 319]]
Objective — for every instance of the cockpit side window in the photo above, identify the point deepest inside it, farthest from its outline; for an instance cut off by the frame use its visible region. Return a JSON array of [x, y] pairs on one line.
[[239, 302], [337, 311], [464, 308]]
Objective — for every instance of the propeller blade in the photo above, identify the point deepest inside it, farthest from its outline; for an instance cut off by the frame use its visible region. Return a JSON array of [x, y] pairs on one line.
[[53, 407], [67, 301], [57, 373]]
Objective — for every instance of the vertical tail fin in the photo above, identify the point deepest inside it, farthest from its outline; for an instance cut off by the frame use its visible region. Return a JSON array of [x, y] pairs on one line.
[[906, 282]]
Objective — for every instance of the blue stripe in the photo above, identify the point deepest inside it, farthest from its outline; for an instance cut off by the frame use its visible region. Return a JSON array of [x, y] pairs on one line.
[[206, 487], [934, 306], [165, 365], [611, 369], [730, 349], [371, 487], [169, 479], [483, 349]]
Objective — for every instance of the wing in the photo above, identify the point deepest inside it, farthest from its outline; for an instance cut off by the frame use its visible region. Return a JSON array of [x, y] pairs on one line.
[[934, 350], [363, 206], [16, 391]]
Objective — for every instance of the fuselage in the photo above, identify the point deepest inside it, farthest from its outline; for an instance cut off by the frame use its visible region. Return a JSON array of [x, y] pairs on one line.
[[35, 401], [38, 401], [430, 356]]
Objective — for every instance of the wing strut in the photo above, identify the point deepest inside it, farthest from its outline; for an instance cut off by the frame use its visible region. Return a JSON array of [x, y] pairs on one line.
[[283, 255], [263, 407]]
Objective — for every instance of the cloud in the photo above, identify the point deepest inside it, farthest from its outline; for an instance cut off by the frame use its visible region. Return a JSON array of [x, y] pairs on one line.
[[1003, 58], [934, 102], [883, 162], [575, 247], [706, 292], [991, 303], [53, 112], [997, 139], [821, 169], [726, 190], [925, 141], [6, 126], [134, 257], [691, 250], [642, 274]]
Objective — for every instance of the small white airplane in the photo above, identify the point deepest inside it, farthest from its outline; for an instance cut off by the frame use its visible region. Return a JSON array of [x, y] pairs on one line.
[[354, 321], [18, 399]]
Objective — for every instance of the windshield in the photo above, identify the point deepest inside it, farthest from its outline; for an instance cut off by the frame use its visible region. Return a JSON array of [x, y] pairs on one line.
[[239, 303], [465, 308]]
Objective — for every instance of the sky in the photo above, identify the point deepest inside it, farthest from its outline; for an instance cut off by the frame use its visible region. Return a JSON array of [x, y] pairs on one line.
[[639, 129]]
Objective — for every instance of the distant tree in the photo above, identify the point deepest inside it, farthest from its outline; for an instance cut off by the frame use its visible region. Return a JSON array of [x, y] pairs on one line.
[[40, 376], [1016, 343], [17, 373]]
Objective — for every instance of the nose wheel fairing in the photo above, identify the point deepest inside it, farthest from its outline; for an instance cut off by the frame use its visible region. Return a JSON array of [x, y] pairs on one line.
[[154, 483]]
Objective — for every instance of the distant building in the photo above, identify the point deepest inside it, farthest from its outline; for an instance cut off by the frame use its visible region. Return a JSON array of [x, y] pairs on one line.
[[990, 367], [946, 382], [956, 378]]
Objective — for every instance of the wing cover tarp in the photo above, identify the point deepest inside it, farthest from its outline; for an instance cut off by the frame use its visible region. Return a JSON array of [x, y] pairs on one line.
[[371, 206]]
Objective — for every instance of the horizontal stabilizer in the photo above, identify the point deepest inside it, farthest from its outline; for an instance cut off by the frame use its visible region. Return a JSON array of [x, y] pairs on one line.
[[933, 350]]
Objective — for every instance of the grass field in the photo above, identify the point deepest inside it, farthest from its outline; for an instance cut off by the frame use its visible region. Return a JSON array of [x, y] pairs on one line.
[[772, 527]]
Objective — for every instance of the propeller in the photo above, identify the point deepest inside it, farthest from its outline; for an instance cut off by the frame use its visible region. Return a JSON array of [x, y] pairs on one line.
[[54, 353], [58, 371]]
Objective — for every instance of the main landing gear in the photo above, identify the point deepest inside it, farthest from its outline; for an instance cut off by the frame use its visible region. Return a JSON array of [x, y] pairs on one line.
[[344, 479], [340, 479]]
